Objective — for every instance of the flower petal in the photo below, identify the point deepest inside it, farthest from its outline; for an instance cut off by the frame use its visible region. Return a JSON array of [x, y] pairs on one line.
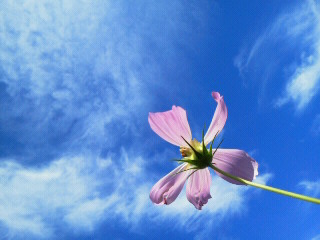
[[219, 118], [198, 188], [171, 125], [237, 163], [167, 189]]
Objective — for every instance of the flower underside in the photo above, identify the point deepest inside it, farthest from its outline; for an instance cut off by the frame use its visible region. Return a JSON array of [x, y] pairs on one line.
[[197, 156], [233, 165]]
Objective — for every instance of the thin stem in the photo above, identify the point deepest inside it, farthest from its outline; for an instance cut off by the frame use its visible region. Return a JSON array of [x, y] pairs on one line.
[[192, 173], [271, 189], [184, 171]]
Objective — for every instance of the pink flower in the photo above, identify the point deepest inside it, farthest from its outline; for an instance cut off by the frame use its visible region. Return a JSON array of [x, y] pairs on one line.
[[173, 127]]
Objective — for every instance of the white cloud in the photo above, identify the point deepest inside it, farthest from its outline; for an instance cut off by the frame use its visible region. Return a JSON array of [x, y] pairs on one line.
[[77, 74], [64, 72], [75, 192], [74, 74], [304, 83], [316, 237], [32, 197], [294, 32], [81, 193], [311, 187]]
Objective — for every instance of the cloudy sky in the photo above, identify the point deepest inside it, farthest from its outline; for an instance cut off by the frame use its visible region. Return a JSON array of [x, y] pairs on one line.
[[78, 79]]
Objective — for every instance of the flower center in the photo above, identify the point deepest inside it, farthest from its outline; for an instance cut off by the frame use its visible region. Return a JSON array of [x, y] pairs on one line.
[[198, 156]]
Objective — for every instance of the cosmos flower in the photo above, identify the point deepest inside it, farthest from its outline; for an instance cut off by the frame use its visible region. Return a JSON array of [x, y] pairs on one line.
[[173, 127]]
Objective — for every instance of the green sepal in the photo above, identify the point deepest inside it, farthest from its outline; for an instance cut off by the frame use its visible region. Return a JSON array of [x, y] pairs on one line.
[[211, 147], [217, 147], [177, 160], [214, 138], [185, 161], [204, 149]]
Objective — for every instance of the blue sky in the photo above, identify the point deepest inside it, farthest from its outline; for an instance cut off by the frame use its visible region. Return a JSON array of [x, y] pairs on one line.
[[78, 79]]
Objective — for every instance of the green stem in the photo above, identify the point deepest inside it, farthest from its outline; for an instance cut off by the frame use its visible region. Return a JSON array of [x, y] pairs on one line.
[[271, 189]]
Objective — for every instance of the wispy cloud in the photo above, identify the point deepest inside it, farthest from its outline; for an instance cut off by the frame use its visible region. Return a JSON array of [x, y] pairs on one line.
[[76, 74], [72, 192], [74, 83], [316, 237], [80, 193], [311, 187], [32, 198], [66, 80], [295, 36]]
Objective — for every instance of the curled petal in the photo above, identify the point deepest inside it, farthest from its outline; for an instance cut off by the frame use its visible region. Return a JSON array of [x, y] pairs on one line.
[[171, 125], [219, 118], [167, 189], [198, 188], [237, 163]]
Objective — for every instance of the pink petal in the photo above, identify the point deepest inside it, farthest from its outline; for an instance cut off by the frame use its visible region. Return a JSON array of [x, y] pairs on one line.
[[237, 163], [219, 118], [167, 189], [171, 125], [198, 188]]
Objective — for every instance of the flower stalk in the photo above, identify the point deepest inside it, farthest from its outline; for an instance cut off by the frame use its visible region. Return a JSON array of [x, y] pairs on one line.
[[268, 188]]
